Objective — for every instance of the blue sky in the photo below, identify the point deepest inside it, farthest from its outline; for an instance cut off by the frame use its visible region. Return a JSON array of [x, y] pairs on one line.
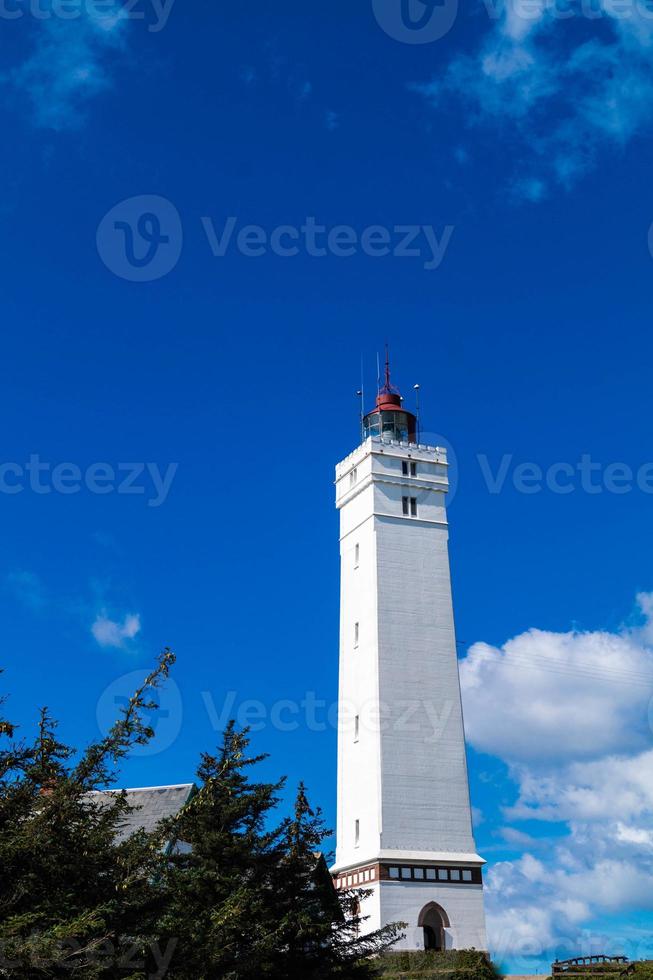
[[522, 144]]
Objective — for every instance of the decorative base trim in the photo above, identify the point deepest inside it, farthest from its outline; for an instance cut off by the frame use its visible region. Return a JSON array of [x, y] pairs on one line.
[[405, 873]]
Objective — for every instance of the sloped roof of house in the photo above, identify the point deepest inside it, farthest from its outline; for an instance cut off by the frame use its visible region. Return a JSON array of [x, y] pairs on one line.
[[150, 805]]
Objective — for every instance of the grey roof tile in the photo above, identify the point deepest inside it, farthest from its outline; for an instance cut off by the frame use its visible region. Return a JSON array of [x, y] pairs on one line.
[[151, 804]]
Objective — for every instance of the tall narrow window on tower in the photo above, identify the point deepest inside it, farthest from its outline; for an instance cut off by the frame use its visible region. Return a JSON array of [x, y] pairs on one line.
[[357, 833], [409, 506], [357, 555], [356, 633]]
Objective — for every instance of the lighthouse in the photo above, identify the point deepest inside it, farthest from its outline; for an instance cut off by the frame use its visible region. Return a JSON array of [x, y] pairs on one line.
[[404, 828]]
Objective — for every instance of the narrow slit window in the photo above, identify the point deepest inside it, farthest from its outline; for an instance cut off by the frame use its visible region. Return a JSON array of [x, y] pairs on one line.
[[357, 555], [404, 505], [357, 833], [413, 469], [353, 476], [356, 728], [404, 467], [356, 634], [413, 506]]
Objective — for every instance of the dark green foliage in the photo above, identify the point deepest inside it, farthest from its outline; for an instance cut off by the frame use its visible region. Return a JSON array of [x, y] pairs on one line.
[[450, 965], [320, 929], [73, 901], [216, 893], [644, 970], [250, 901]]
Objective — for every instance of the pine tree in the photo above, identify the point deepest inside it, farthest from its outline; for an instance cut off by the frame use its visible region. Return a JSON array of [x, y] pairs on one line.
[[236, 895], [221, 868], [74, 899], [252, 901], [319, 929]]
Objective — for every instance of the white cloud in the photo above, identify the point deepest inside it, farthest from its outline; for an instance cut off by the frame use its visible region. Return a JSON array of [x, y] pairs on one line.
[[519, 839], [516, 930], [634, 835], [564, 85], [645, 603], [544, 695], [587, 791], [569, 714], [535, 907], [110, 633], [68, 65]]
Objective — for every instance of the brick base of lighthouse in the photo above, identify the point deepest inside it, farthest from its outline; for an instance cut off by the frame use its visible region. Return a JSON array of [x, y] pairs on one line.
[[438, 904]]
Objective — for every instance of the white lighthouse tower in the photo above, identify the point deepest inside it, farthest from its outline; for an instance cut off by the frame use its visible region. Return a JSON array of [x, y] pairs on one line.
[[404, 820]]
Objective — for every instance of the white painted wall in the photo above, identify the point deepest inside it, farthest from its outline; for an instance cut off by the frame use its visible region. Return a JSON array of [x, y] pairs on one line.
[[405, 778], [425, 801], [395, 901]]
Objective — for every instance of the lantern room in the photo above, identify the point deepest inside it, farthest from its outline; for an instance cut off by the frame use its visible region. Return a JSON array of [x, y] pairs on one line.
[[389, 419]]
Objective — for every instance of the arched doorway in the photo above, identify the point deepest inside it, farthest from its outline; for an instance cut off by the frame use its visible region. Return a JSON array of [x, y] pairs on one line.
[[433, 920]]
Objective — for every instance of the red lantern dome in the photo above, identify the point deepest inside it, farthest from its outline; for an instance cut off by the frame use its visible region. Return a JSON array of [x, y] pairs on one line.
[[389, 418]]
